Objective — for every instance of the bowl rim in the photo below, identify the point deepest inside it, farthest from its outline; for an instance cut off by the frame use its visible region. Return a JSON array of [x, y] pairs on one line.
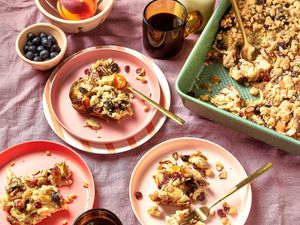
[[27, 29], [74, 22]]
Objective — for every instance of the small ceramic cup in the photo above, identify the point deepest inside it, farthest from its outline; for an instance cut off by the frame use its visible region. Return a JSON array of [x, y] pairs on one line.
[[75, 26], [49, 29], [97, 217]]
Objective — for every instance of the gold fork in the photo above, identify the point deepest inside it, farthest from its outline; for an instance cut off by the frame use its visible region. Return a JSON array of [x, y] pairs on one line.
[[202, 214], [147, 99]]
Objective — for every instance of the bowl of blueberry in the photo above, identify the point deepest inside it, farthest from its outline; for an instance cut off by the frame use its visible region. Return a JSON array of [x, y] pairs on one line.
[[41, 45]]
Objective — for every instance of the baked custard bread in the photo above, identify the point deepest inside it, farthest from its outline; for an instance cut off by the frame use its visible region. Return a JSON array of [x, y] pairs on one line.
[[180, 180], [31, 199], [98, 93]]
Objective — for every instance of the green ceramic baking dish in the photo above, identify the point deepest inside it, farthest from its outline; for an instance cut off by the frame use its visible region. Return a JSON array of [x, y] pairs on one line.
[[194, 72]]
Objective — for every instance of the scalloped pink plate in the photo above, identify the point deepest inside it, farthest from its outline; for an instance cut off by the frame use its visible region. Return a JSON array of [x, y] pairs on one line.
[[74, 122], [142, 181], [30, 156]]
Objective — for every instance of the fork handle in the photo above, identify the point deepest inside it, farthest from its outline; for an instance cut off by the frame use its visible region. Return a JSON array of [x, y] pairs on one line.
[[243, 183], [157, 106]]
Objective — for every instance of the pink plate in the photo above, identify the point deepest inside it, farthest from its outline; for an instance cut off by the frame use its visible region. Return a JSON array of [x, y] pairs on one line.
[[30, 156], [141, 180], [74, 122]]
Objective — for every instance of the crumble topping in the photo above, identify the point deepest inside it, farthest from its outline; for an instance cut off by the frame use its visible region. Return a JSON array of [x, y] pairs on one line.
[[273, 28]]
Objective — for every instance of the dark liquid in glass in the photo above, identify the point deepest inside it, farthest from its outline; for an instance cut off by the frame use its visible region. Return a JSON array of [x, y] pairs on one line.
[[99, 221], [164, 37]]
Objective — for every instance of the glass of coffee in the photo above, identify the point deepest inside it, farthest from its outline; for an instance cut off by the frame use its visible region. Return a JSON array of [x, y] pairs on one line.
[[165, 24], [97, 217]]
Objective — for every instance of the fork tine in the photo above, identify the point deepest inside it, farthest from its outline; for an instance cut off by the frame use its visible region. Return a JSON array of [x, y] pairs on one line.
[[188, 218]]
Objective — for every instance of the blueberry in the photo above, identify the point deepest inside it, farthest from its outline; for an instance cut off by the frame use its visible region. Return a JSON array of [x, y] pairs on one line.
[[46, 43], [26, 47], [55, 197], [36, 54], [29, 55], [51, 39], [30, 36], [28, 43], [44, 54], [32, 48], [37, 59], [42, 34], [53, 54], [55, 48], [40, 48], [36, 41]]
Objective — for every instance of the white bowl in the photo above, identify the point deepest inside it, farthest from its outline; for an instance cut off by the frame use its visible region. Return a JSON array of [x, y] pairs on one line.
[[49, 29], [75, 26]]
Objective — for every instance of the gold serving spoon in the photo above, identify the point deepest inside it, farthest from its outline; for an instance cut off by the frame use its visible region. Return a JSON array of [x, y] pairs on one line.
[[202, 214], [248, 51], [121, 83]]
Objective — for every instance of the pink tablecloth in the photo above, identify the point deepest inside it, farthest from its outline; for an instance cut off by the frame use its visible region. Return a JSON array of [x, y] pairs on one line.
[[276, 196]]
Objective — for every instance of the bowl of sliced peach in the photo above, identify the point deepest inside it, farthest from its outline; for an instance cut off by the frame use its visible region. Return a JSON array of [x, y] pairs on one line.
[[75, 16]]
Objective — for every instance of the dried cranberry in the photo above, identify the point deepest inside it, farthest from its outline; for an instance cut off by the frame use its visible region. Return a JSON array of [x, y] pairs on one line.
[[185, 158], [47, 182], [37, 205], [138, 70], [34, 182], [221, 213], [138, 195], [18, 204], [175, 175], [127, 68], [266, 78], [201, 197], [226, 208], [241, 114], [87, 71]]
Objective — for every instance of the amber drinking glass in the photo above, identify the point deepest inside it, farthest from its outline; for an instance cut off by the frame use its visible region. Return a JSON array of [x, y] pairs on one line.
[[165, 24], [97, 217]]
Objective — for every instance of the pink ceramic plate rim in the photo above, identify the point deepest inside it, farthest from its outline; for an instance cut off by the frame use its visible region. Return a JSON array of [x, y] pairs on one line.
[[153, 84], [64, 152], [156, 152], [110, 148]]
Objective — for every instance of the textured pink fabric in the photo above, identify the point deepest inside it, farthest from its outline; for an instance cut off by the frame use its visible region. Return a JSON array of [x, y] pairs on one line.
[[276, 195]]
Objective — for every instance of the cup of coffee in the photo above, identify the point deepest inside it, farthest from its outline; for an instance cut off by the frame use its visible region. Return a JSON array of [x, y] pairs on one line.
[[97, 217], [165, 24]]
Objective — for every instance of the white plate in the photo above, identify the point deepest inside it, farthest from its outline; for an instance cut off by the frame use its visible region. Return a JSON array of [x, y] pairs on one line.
[[142, 181]]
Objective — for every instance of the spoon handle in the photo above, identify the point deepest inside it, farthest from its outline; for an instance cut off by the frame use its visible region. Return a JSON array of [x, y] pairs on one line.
[[239, 19], [157, 106], [243, 183]]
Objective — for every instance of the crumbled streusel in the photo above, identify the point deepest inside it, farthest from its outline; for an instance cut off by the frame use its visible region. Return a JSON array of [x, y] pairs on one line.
[[273, 28]]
